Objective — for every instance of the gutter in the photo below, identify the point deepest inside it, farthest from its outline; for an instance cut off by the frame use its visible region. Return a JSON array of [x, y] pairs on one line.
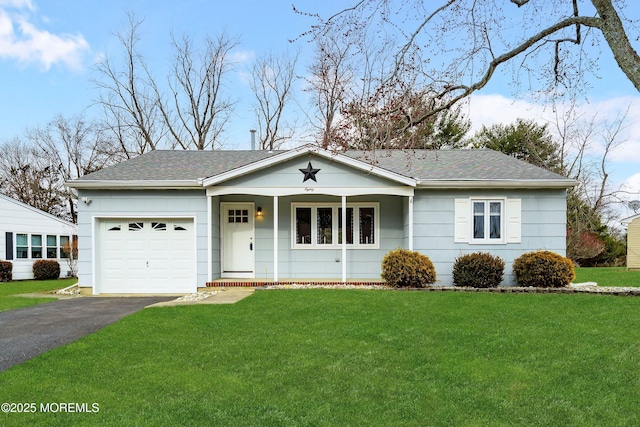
[[497, 183], [137, 185]]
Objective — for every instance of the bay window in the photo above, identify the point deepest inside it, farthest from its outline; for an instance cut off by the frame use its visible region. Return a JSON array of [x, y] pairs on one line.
[[319, 225]]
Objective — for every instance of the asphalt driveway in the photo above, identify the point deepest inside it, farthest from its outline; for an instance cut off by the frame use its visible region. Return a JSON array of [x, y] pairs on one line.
[[28, 332]]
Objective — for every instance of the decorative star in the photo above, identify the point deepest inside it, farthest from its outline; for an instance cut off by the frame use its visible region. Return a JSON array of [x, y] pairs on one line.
[[309, 173]]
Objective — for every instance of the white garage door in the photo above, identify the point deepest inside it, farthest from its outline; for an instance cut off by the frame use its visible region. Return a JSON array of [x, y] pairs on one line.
[[146, 256]]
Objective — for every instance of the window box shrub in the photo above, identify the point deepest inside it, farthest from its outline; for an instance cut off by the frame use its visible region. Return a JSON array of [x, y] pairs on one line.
[[6, 271]]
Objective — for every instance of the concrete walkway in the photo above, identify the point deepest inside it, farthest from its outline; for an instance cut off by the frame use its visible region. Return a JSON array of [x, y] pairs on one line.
[[222, 296]]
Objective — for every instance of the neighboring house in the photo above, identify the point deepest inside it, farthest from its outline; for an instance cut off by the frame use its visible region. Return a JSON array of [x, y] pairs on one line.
[[172, 221], [28, 234], [633, 242]]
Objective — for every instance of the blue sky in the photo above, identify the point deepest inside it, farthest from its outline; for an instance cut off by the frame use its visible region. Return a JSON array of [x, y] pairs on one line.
[[47, 49]]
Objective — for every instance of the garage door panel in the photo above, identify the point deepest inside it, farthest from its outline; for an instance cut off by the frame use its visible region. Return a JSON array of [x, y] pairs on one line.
[[147, 256]]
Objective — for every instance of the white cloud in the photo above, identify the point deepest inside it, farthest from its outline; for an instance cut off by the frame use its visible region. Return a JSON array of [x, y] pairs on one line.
[[22, 40]]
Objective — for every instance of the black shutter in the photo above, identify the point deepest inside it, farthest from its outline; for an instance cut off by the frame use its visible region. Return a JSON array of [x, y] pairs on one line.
[[9, 246]]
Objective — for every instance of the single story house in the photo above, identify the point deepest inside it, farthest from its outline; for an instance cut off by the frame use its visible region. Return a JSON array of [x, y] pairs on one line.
[[28, 234], [173, 221], [633, 242]]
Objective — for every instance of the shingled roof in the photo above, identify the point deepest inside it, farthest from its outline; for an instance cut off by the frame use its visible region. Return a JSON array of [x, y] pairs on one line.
[[424, 166]]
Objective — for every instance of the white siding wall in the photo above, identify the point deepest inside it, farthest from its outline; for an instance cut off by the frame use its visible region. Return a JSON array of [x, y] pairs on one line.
[[15, 217], [127, 204]]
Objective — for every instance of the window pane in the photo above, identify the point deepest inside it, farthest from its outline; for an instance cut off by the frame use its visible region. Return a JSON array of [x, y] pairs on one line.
[[495, 209], [303, 226], [136, 226], [325, 224], [349, 226], [159, 226], [64, 247], [22, 246], [52, 247], [366, 226], [494, 227], [478, 220], [36, 246]]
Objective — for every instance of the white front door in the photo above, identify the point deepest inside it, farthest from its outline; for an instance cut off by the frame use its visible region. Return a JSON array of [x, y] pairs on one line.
[[237, 239]]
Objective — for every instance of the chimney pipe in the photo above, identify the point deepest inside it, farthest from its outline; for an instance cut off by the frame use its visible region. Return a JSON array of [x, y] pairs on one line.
[[253, 139]]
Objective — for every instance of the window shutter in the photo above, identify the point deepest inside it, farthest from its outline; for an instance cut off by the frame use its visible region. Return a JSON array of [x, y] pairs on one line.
[[514, 221], [8, 246], [462, 211]]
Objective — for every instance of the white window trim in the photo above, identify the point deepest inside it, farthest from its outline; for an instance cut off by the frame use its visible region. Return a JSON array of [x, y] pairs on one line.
[[44, 246], [487, 215], [336, 206]]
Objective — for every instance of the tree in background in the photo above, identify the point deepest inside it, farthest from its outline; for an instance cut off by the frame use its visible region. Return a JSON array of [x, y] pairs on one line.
[[367, 126], [73, 147], [272, 78], [31, 178], [525, 140], [190, 112], [330, 78], [453, 48]]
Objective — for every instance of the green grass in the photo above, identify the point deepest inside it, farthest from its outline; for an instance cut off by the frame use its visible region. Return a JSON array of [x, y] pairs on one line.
[[329, 357], [7, 291], [608, 276]]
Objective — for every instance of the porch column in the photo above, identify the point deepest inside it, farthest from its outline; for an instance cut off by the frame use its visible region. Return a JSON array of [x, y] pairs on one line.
[[344, 239], [209, 237], [275, 238], [410, 223]]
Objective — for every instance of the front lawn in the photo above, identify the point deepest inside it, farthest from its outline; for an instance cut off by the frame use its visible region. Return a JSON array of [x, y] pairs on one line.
[[7, 291], [608, 276], [349, 357]]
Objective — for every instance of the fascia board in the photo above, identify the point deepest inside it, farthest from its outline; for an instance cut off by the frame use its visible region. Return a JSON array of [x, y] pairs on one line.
[[498, 183], [138, 185]]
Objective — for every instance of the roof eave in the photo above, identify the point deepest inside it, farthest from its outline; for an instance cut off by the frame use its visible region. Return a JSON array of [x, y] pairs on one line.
[[137, 185], [498, 183]]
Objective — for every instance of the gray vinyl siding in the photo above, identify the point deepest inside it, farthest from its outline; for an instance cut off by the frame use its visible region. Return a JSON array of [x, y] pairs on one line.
[[543, 227], [164, 203]]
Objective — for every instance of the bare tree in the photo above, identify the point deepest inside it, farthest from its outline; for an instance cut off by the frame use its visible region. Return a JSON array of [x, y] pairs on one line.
[[73, 148], [29, 177], [329, 82], [130, 105], [453, 49], [272, 79], [198, 109]]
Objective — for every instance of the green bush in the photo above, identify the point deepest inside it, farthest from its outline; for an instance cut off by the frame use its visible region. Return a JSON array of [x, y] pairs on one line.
[[46, 269], [478, 270], [407, 269], [543, 269], [6, 271]]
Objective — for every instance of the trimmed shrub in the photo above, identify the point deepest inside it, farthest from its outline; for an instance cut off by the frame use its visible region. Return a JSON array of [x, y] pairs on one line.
[[6, 271], [407, 269], [478, 270], [543, 269], [46, 269]]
